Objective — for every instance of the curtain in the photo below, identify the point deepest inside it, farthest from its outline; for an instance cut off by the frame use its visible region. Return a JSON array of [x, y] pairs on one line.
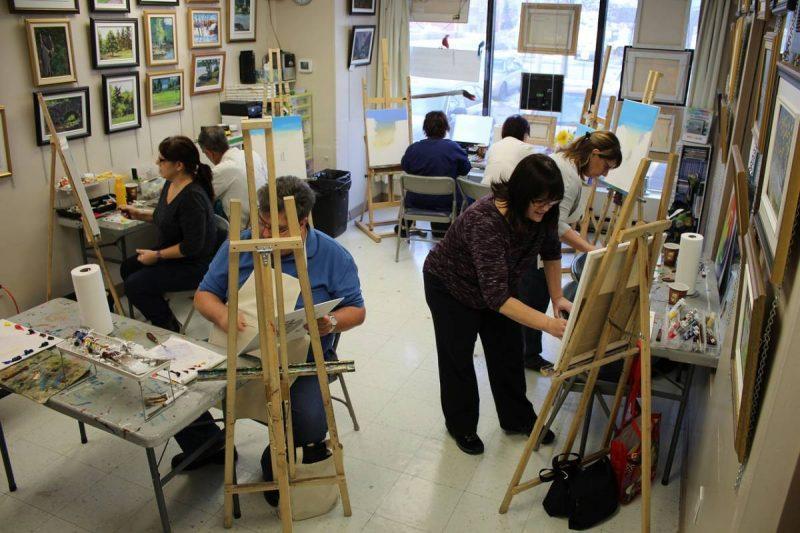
[[393, 16], [712, 35]]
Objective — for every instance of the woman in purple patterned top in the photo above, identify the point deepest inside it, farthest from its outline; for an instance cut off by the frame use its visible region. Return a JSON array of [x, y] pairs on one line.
[[471, 279]]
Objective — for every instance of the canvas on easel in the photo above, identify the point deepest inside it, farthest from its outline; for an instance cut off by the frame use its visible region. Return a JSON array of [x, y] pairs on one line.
[[387, 136], [634, 131], [290, 151]]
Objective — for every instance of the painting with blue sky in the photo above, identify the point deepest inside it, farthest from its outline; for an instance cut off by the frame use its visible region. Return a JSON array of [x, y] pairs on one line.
[[634, 130], [387, 136]]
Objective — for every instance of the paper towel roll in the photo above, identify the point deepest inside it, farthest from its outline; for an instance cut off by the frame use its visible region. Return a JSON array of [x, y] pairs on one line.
[[91, 294], [691, 250]]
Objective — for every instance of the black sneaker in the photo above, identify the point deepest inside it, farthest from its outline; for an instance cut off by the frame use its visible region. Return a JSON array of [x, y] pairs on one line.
[[216, 457], [548, 437], [536, 362], [416, 232], [470, 444]]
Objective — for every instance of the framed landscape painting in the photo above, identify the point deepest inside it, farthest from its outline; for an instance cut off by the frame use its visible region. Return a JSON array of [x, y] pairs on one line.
[[121, 110], [160, 38], [50, 48], [241, 20], [208, 72], [115, 43], [361, 42], [110, 6], [44, 6], [164, 91], [204, 27], [69, 109]]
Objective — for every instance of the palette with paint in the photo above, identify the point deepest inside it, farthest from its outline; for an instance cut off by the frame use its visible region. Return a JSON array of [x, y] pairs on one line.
[[126, 358], [18, 343]]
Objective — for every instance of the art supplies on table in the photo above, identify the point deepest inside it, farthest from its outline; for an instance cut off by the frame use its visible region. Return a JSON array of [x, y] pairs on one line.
[[185, 358], [90, 292], [126, 358], [118, 218], [688, 328], [43, 375], [18, 343]]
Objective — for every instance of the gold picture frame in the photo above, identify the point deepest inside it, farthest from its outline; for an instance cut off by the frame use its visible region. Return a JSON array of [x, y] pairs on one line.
[[191, 22], [737, 45], [241, 34], [6, 168], [549, 28], [768, 68], [543, 129], [157, 49], [206, 88], [50, 50], [164, 103]]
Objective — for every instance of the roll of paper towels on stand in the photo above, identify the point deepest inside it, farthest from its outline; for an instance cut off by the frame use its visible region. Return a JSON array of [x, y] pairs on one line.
[[689, 256], [91, 294]]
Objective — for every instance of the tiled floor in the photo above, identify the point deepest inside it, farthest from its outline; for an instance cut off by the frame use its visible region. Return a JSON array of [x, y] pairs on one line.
[[404, 472]]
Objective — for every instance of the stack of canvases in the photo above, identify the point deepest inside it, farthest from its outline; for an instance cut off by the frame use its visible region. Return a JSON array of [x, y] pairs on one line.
[[754, 249], [114, 42]]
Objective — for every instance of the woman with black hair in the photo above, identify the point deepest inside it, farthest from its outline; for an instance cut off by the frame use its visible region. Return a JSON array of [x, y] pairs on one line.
[[187, 235], [471, 280], [503, 156]]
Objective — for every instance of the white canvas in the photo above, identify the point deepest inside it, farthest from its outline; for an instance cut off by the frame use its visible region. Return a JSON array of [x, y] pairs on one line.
[[661, 24], [440, 11], [387, 136], [634, 131], [674, 65], [287, 139], [83, 198]]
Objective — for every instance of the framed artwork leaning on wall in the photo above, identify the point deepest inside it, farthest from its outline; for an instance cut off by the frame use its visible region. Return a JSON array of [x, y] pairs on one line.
[[674, 65]]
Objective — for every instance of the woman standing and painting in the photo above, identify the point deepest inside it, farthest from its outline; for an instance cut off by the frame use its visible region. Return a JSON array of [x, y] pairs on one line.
[[471, 279]]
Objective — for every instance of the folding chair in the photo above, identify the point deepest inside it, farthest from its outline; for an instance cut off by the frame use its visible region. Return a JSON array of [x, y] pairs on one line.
[[428, 185], [347, 402], [471, 191]]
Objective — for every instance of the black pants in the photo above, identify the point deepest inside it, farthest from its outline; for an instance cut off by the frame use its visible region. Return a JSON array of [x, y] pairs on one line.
[[533, 291], [456, 327], [145, 285]]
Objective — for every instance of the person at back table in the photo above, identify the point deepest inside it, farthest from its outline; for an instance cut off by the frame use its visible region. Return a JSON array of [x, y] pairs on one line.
[[187, 234], [229, 171], [435, 156], [503, 156]]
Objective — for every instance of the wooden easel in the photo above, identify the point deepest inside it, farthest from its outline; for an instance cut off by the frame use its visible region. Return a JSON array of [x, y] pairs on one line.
[[589, 115], [280, 101], [273, 343], [610, 206], [625, 325], [57, 154], [381, 102]]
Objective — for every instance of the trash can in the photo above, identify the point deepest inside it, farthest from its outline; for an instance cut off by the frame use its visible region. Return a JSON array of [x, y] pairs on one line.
[[332, 188]]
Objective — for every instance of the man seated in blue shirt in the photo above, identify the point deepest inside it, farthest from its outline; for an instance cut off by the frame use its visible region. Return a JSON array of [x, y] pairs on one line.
[[435, 156], [333, 274]]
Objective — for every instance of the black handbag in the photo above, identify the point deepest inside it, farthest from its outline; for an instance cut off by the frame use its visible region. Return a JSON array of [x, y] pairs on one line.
[[585, 494]]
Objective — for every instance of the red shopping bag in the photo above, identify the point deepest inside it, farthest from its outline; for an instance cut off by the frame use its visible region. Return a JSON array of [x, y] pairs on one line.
[[626, 457]]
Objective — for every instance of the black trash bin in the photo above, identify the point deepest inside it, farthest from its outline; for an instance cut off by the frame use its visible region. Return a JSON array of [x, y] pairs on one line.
[[330, 210]]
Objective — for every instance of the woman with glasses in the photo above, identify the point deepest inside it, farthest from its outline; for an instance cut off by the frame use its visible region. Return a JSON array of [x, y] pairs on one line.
[[471, 279], [591, 155], [187, 234]]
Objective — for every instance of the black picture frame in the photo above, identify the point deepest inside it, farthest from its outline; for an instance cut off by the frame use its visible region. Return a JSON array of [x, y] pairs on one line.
[[353, 9], [167, 3], [361, 62], [109, 129], [781, 6], [13, 8], [94, 9], [680, 101], [96, 64], [39, 122]]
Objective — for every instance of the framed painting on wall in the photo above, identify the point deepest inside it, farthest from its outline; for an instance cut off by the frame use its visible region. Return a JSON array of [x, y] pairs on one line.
[[204, 28], [5, 151], [549, 28], [121, 110], [160, 38], [674, 65], [164, 92], [69, 108], [362, 39], [777, 206], [241, 20], [168, 3], [739, 38], [208, 72], [362, 7], [43, 6], [661, 24], [110, 6], [115, 43], [50, 49], [767, 70]]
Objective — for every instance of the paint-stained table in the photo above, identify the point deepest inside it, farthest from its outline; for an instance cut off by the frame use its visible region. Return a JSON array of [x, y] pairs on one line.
[[112, 403]]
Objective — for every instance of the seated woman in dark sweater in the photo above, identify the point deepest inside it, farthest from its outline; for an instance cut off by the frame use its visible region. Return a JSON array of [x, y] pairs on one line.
[[435, 156], [186, 234]]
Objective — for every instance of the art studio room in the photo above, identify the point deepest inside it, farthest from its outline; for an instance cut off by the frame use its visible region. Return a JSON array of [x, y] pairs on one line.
[[259, 256]]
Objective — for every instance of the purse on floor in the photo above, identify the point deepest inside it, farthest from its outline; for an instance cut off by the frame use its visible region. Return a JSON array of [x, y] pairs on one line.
[[585, 494]]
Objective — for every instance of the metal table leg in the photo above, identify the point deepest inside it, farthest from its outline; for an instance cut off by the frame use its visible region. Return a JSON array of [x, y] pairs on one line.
[[687, 386], [12, 485], [159, 489], [82, 429]]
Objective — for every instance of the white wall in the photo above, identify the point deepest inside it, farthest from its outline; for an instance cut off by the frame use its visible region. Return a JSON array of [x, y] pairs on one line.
[[24, 197]]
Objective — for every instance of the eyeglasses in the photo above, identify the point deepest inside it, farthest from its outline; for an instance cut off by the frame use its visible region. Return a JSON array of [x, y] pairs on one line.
[[265, 225], [545, 203]]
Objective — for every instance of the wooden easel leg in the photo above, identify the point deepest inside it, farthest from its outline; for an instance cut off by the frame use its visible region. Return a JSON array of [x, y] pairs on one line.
[[51, 223], [612, 418], [107, 276], [644, 321], [369, 229]]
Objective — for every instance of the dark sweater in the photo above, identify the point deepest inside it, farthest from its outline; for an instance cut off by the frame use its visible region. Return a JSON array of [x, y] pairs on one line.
[[434, 157], [189, 221], [480, 260]]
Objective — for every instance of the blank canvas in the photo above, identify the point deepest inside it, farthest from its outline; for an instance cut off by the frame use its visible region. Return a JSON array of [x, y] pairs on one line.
[[634, 131], [661, 24], [387, 136], [549, 28], [674, 65]]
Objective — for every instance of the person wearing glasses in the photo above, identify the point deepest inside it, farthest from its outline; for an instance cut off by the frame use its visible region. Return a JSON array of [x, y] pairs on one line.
[[333, 274], [591, 155], [471, 280], [187, 234]]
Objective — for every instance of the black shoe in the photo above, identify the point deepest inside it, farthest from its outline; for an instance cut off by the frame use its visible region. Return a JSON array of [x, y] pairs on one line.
[[536, 362], [416, 232], [548, 437], [216, 457], [312, 453], [470, 444]]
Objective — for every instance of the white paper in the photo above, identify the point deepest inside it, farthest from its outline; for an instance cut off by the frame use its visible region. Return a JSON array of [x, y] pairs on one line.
[[445, 64], [90, 291], [15, 339], [186, 358], [296, 322]]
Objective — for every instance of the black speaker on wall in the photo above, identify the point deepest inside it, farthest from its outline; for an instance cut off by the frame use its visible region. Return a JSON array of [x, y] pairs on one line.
[[247, 67]]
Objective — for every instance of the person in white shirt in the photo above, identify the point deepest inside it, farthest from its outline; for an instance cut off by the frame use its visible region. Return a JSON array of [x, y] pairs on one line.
[[503, 156], [589, 156], [229, 171]]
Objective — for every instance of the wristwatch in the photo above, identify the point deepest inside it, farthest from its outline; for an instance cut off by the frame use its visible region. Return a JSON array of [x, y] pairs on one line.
[[334, 323]]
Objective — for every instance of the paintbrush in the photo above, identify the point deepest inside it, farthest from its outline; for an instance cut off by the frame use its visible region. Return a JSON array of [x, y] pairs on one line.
[[153, 338]]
